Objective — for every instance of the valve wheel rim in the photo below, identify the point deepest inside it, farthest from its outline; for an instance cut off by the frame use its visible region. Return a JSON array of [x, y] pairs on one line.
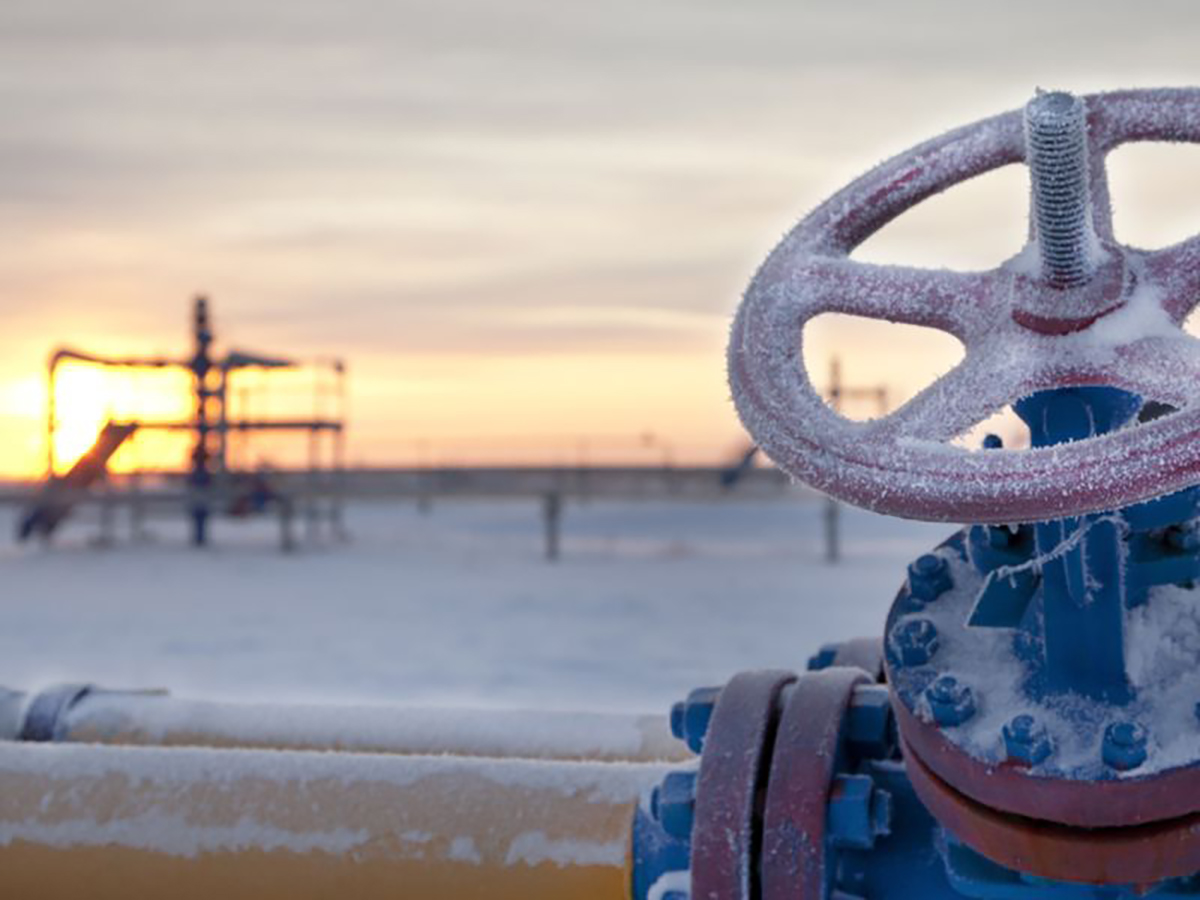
[[902, 464]]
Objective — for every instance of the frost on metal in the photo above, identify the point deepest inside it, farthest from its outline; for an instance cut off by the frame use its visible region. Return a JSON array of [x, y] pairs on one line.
[[184, 802], [1021, 334], [134, 718], [1162, 645]]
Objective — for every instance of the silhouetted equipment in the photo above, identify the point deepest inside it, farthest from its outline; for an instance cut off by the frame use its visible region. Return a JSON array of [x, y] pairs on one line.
[[57, 497], [731, 476], [210, 485]]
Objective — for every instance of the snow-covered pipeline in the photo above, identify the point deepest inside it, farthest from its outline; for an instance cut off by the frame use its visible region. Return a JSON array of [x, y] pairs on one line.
[[106, 821], [152, 718]]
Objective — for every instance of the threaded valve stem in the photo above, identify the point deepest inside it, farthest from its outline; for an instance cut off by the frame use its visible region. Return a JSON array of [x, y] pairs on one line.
[[1056, 151]]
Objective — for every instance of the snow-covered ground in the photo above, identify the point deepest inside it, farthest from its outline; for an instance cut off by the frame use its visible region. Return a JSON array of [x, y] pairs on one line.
[[456, 607]]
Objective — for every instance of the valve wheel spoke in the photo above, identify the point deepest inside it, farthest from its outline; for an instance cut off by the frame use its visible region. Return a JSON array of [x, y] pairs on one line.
[[985, 382], [1177, 270], [955, 302]]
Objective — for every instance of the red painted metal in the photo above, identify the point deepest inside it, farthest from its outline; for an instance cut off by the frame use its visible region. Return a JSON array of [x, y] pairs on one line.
[[1014, 789], [732, 771], [802, 768], [1137, 855], [1018, 334]]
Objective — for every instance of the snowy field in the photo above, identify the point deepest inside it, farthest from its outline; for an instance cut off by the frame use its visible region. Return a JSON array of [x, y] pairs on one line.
[[456, 607]]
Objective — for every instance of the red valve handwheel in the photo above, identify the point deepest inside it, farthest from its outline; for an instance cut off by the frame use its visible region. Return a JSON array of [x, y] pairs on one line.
[[1122, 329]]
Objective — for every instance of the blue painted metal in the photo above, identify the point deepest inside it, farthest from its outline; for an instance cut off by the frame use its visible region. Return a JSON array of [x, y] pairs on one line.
[[916, 640], [690, 718], [1124, 745], [871, 723], [971, 875], [929, 577], [1084, 607], [859, 812], [673, 804], [1026, 740], [952, 703], [654, 853]]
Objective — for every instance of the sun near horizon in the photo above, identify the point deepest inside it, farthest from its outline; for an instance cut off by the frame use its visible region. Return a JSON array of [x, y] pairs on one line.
[[527, 242], [562, 384]]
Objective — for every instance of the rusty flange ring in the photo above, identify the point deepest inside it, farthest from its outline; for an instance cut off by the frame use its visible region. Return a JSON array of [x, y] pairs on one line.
[[802, 769], [733, 767], [1110, 803], [1137, 855]]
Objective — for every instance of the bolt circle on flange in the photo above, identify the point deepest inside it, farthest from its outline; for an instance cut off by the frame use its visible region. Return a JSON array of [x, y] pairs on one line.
[[1072, 785]]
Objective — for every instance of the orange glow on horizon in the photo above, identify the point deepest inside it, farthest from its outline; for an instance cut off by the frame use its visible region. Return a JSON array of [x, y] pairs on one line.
[[87, 396]]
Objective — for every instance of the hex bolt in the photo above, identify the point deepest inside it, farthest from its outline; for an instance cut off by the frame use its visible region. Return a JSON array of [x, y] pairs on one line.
[[858, 812], [870, 722], [928, 577], [951, 701], [915, 641], [690, 718], [1124, 745], [1057, 154], [673, 803], [1026, 740]]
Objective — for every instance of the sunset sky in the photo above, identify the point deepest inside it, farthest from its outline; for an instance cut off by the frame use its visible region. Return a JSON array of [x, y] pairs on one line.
[[525, 224]]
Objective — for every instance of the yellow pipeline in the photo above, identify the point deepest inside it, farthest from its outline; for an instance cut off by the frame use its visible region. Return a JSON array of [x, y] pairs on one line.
[[129, 822], [155, 719]]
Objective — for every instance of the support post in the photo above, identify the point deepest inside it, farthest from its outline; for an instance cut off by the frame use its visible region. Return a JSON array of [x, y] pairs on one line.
[[552, 520], [836, 393], [200, 477], [833, 548]]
